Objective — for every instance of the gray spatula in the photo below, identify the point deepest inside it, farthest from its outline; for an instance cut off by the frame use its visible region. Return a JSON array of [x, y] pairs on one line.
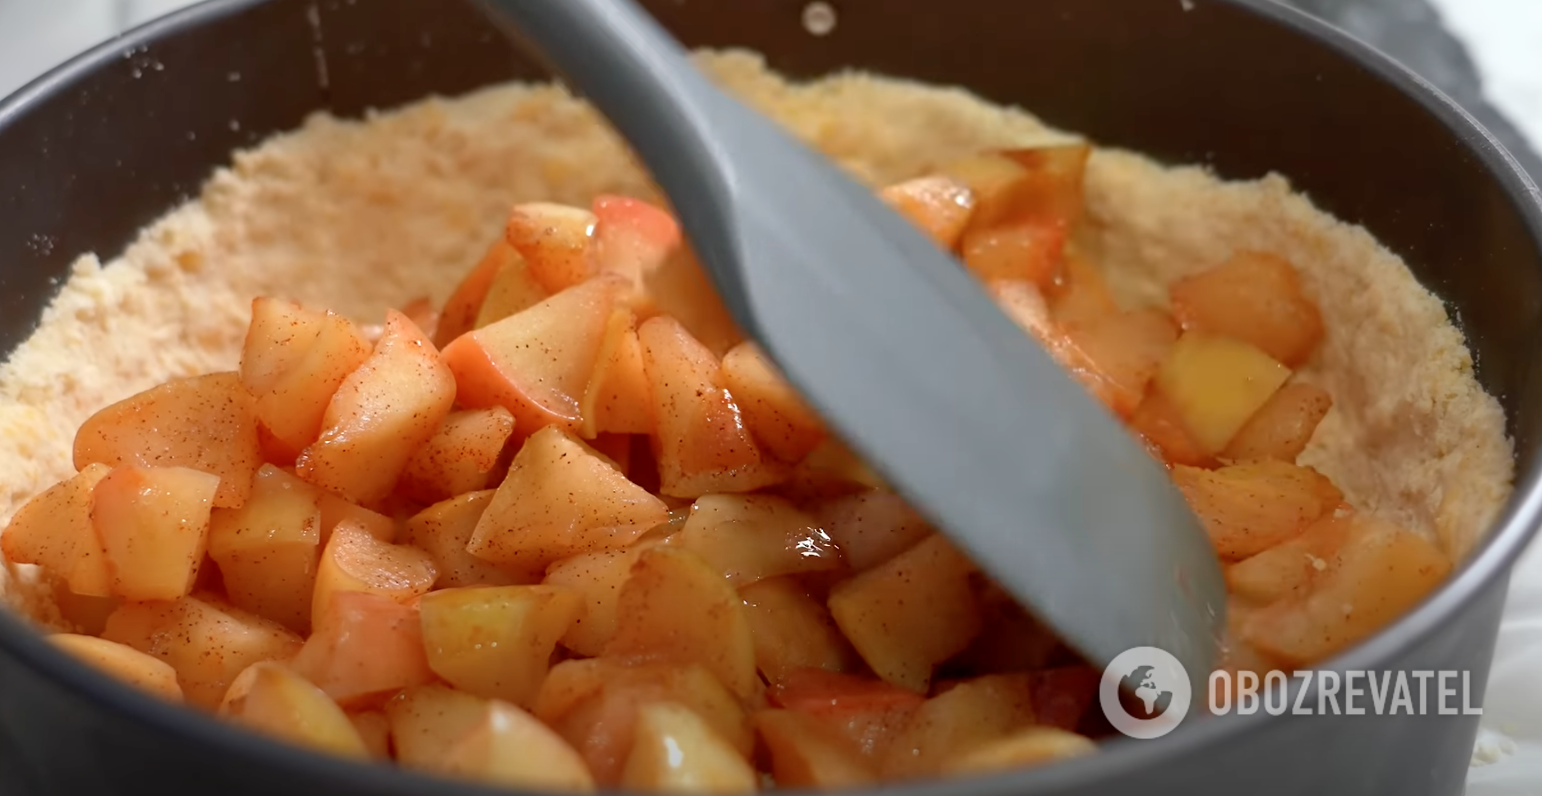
[[901, 352]]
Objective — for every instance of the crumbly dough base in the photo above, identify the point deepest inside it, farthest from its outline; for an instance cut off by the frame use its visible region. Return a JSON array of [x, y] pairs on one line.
[[360, 216]]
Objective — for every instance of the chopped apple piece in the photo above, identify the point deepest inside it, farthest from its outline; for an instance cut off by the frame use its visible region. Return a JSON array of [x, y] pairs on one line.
[[383, 412], [1379, 572], [511, 748], [336, 510], [1249, 508], [374, 730], [427, 720], [1030, 746], [702, 444], [911, 613], [869, 713], [206, 423], [573, 681], [293, 361], [271, 699], [153, 523], [1282, 427], [676, 608], [537, 362], [496, 641], [54, 531], [554, 240], [365, 646], [513, 289], [123, 662], [1023, 302], [1157, 423], [871, 527], [617, 400], [1122, 353], [598, 578], [1290, 567], [1027, 202], [774, 412], [633, 238], [750, 537], [938, 205], [268, 550], [1215, 384], [680, 289], [207, 643], [1253, 297], [601, 720], [675, 751], [461, 311], [459, 457], [805, 753], [560, 499], [959, 720], [354, 561], [832, 470], [1030, 250], [1080, 295], [443, 530], [792, 630]]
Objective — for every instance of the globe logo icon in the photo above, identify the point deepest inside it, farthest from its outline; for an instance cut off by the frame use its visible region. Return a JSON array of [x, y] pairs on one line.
[[1145, 692]]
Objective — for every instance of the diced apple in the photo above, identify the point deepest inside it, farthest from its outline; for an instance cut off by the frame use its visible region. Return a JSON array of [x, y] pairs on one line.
[[598, 578], [559, 500], [680, 289], [1215, 384], [423, 315], [806, 753], [1030, 746], [960, 720], [123, 662], [702, 444], [1030, 250], [513, 289], [271, 699], [911, 613], [676, 608], [383, 412], [554, 240], [293, 361], [511, 748], [206, 423], [1122, 352], [938, 205], [871, 527], [1023, 302], [364, 646], [1283, 426], [354, 561], [633, 238], [54, 531], [336, 510], [676, 751], [1379, 572], [750, 537], [869, 713], [537, 362], [792, 630], [774, 412], [443, 530], [268, 549], [1253, 297], [460, 312], [374, 730], [832, 470], [601, 724], [1290, 567], [153, 523], [427, 720], [1027, 202], [617, 399], [1158, 424], [496, 641], [1249, 508], [206, 642], [459, 457], [1080, 295], [571, 683]]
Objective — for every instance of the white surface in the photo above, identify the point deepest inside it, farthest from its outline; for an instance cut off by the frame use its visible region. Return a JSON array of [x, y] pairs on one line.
[[1505, 39]]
